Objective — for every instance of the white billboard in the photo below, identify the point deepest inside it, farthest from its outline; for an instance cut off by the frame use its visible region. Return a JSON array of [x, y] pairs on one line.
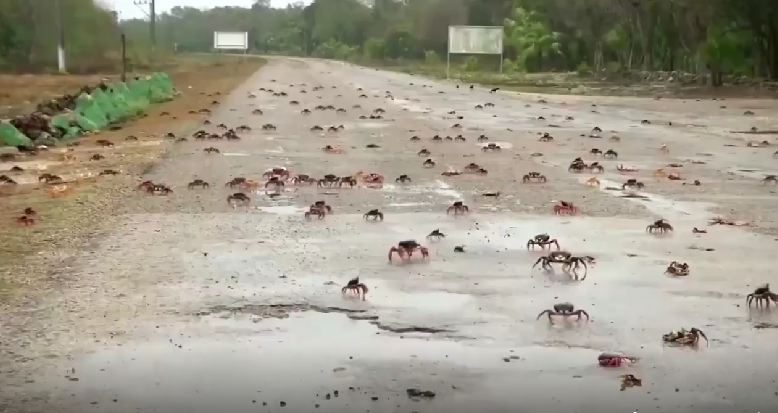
[[231, 40], [475, 39]]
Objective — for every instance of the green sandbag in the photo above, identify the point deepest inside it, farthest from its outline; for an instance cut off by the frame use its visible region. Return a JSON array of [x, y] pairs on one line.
[[139, 89], [158, 89], [11, 136], [87, 108], [165, 83], [60, 122], [106, 105], [119, 102], [72, 133], [135, 106]]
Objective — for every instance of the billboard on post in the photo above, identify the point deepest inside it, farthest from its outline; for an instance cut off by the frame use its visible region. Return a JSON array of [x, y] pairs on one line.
[[231, 40], [475, 39]]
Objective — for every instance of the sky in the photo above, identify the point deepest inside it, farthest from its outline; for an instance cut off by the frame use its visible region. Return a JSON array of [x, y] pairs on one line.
[[128, 10]]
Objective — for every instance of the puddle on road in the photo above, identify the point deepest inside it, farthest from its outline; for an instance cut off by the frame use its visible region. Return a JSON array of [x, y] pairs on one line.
[[444, 189], [329, 363], [283, 210], [298, 360], [664, 207], [410, 106], [304, 359], [370, 125], [752, 173], [408, 204], [439, 187]]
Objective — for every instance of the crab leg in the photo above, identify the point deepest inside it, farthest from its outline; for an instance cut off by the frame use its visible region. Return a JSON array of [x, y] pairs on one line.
[[586, 269], [549, 312], [704, 336]]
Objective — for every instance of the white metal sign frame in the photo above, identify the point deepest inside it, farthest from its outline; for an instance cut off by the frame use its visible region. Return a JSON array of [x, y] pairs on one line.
[[451, 29], [220, 44]]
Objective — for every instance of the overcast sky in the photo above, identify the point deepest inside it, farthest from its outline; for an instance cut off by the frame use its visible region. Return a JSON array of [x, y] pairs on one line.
[[128, 10]]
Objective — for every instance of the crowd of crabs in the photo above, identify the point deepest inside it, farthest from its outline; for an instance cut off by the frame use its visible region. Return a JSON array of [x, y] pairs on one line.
[[276, 178]]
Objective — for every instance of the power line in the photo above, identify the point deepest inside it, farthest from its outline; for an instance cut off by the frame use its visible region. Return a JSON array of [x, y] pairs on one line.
[[152, 15]]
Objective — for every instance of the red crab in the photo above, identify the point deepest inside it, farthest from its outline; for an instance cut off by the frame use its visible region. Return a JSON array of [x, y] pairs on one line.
[[405, 249], [278, 171], [25, 220], [375, 179], [614, 360], [565, 208]]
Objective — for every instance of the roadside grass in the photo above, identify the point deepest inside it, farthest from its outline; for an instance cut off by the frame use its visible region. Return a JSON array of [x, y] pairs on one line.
[[570, 83], [30, 255]]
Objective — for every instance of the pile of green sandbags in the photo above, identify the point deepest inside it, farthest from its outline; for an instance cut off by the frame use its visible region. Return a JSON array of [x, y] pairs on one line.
[[118, 102]]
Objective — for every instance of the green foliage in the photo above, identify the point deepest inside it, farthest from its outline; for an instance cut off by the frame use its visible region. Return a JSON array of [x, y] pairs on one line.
[[583, 69], [431, 57], [28, 36], [374, 48], [532, 39], [701, 36], [508, 66], [333, 49], [471, 64]]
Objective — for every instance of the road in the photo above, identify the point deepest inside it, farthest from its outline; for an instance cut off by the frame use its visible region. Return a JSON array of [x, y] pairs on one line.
[[191, 305]]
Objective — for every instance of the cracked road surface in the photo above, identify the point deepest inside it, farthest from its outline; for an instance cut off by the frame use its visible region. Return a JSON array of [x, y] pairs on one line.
[[191, 305]]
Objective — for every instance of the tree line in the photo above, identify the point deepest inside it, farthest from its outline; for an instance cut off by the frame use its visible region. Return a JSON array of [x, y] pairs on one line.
[[711, 37], [29, 33]]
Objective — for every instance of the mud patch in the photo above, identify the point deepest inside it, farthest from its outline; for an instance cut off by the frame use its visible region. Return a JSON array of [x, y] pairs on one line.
[[636, 196], [284, 310], [764, 325]]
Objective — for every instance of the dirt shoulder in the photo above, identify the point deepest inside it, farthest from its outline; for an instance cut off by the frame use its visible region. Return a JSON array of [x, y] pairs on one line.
[[30, 255]]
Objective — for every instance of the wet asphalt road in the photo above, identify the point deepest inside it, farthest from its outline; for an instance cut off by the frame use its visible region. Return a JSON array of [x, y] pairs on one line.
[[191, 305]]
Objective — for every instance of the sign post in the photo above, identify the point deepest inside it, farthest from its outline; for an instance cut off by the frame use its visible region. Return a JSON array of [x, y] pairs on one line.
[[474, 40], [231, 41]]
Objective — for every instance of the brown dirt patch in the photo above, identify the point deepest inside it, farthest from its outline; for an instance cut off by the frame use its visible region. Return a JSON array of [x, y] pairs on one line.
[[66, 224]]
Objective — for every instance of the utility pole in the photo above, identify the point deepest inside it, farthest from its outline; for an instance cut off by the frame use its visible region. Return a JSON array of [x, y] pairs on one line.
[[153, 25], [122, 43], [152, 15], [60, 40]]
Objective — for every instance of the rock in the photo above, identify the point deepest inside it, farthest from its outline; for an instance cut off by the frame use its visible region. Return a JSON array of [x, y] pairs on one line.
[[9, 150], [45, 139], [417, 393]]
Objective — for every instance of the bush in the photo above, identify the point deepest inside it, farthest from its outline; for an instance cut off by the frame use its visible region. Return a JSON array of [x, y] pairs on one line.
[[509, 66], [374, 48], [612, 67], [333, 49], [583, 69], [430, 57], [471, 64]]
